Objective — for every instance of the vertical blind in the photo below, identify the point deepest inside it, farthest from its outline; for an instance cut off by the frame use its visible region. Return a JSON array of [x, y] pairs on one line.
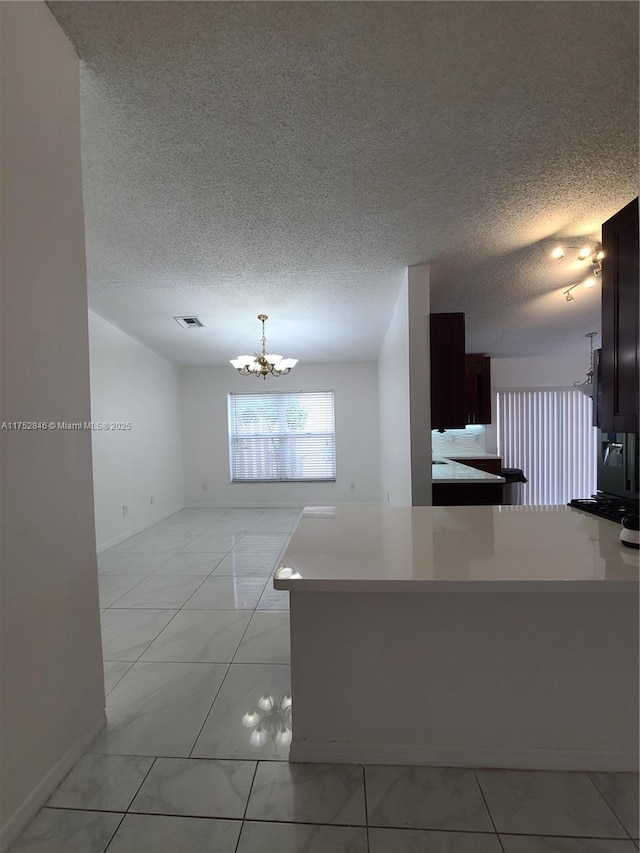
[[549, 435], [282, 436]]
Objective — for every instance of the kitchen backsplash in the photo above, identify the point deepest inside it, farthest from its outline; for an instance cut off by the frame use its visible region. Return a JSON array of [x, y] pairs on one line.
[[469, 440]]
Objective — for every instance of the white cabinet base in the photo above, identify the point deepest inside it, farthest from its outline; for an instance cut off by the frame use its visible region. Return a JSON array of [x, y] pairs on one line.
[[526, 680]]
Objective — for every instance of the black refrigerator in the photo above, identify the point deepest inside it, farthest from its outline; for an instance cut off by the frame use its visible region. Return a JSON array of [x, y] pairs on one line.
[[618, 464]]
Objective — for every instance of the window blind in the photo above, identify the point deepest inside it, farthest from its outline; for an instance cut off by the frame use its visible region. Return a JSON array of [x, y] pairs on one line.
[[282, 436], [548, 434]]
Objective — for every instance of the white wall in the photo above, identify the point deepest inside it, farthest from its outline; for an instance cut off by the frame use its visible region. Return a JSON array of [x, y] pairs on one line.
[[394, 402], [420, 384], [52, 683], [404, 391], [538, 372], [131, 384], [206, 441], [543, 371]]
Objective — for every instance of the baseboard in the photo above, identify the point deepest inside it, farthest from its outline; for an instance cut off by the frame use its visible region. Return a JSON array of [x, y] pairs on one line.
[[256, 505], [433, 756], [117, 539], [25, 813], [271, 505]]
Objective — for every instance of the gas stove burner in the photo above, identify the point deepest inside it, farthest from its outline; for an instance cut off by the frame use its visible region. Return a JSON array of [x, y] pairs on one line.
[[606, 506]]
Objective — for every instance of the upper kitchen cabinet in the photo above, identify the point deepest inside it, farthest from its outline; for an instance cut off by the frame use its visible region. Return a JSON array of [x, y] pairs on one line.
[[448, 384], [478, 388], [619, 359]]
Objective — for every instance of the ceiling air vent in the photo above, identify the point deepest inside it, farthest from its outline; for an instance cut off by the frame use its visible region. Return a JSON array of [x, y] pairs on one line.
[[189, 322]]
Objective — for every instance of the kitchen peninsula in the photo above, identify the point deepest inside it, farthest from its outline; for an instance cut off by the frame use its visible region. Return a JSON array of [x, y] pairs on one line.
[[495, 636]]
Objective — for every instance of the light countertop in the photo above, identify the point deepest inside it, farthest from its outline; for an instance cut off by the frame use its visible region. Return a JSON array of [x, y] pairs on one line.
[[358, 548], [469, 454], [447, 471]]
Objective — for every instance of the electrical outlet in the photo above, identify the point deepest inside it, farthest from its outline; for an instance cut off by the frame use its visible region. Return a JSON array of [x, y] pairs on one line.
[[152, 500], [353, 487], [388, 498], [125, 509]]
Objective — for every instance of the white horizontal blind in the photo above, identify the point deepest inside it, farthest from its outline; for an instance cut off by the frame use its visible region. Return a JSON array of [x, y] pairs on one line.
[[548, 434], [282, 436]]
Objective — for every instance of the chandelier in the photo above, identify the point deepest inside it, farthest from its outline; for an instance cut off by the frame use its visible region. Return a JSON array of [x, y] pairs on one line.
[[260, 364], [270, 721]]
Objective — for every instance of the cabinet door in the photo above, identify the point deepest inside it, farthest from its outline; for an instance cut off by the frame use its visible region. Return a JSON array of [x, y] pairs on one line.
[[478, 388], [448, 403], [619, 360]]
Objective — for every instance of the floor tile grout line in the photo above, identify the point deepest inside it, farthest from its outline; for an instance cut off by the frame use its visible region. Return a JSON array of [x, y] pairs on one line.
[[244, 634], [151, 766], [137, 660], [286, 663], [138, 607], [108, 844], [395, 828], [366, 804], [609, 806], [214, 662], [486, 805], [206, 716], [246, 805], [573, 837], [109, 606], [113, 687], [488, 832]]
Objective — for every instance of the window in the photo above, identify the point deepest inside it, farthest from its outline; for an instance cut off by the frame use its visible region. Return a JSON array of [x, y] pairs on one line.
[[548, 433], [288, 436]]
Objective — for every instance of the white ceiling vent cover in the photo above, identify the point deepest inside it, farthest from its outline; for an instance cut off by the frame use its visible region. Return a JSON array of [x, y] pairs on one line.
[[189, 322]]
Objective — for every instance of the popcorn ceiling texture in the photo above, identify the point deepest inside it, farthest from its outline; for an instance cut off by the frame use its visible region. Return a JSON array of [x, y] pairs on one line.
[[294, 158]]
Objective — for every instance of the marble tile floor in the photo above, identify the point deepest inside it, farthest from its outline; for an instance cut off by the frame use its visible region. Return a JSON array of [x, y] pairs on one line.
[[194, 756]]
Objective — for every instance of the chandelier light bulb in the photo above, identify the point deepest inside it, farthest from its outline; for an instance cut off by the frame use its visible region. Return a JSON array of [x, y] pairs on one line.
[[258, 737], [266, 702], [589, 282], [568, 297], [584, 252], [557, 253], [285, 702], [283, 737], [251, 718]]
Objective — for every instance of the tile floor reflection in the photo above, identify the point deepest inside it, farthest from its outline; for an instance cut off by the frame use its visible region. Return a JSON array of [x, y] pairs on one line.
[[194, 756]]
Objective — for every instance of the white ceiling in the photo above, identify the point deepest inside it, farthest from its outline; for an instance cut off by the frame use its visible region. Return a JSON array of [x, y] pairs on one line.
[[294, 158]]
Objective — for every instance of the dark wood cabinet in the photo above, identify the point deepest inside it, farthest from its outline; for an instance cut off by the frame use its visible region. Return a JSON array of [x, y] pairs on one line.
[[468, 494], [620, 287], [448, 384], [478, 388]]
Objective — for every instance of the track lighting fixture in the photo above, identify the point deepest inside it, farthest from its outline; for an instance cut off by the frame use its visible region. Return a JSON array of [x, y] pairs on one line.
[[588, 251], [588, 282], [591, 252]]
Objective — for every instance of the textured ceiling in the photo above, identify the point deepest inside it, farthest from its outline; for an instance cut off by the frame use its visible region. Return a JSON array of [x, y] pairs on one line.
[[294, 158]]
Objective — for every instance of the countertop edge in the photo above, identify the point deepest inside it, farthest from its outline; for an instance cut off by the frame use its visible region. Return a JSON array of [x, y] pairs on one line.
[[463, 586]]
